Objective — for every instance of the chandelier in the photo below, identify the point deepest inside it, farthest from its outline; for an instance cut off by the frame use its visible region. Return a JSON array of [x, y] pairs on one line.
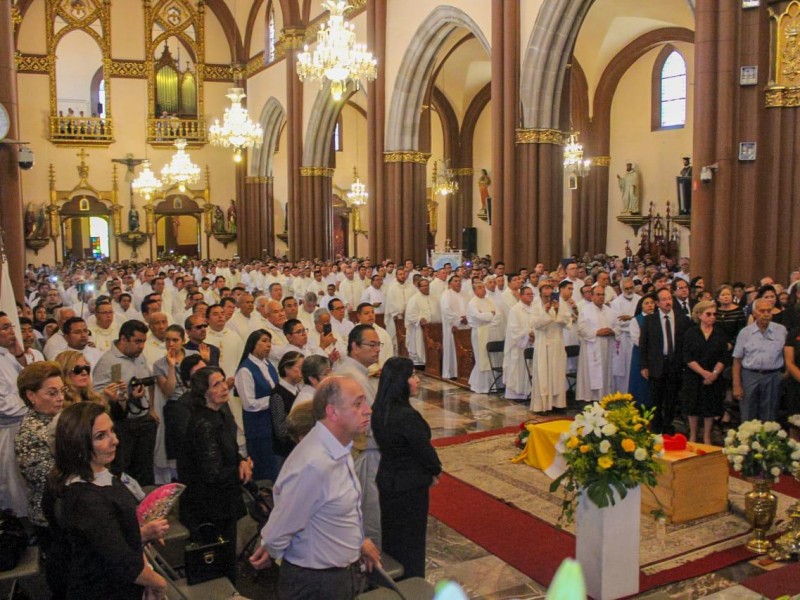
[[444, 184], [357, 195], [146, 183], [337, 57], [574, 163], [181, 170], [237, 130]]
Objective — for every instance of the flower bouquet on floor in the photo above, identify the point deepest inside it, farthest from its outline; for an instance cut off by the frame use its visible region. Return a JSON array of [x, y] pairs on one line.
[[608, 450], [761, 452]]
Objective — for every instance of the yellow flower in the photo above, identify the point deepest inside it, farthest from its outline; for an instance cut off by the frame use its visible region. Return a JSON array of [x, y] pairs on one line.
[[657, 447], [637, 427], [628, 445], [573, 442], [605, 462], [585, 448]]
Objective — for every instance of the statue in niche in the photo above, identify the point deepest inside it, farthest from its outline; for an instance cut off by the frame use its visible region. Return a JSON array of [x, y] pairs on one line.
[[31, 226], [629, 186], [484, 181], [232, 217], [133, 220], [219, 221], [176, 225], [42, 224]]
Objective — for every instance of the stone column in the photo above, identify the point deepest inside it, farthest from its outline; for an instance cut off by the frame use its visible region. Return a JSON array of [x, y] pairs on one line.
[[314, 232], [257, 232], [459, 205], [11, 211], [376, 126], [400, 233], [298, 210]]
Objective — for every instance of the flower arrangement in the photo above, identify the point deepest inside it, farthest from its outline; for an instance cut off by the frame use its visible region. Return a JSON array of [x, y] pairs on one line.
[[608, 447], [761, 450], [522, 435]]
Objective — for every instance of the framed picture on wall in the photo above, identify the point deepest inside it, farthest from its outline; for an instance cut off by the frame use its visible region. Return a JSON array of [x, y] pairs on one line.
[[748, 75], [750, 3], [747, 151]]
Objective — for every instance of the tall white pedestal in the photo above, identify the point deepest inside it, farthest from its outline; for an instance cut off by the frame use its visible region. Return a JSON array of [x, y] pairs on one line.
[[607, 545]]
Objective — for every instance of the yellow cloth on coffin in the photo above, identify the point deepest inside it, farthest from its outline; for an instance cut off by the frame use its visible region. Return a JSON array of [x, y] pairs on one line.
[[540, 450]]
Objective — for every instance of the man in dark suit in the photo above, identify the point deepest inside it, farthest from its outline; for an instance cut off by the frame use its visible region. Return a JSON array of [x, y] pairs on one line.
[[661, 358]]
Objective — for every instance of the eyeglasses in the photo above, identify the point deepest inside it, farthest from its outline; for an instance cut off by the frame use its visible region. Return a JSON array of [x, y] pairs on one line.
[[81, 369], [201, 326], [372, 344], [300, 331]]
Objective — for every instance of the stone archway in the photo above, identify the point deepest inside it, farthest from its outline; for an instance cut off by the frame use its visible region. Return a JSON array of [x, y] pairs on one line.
[[272, 120]]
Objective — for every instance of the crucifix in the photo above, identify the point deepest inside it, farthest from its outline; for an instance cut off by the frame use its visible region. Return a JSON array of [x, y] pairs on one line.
[[131, 163]]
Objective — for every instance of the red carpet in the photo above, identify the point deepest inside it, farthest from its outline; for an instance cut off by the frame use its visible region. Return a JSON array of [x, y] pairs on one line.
[[780, 582], [533, 546]]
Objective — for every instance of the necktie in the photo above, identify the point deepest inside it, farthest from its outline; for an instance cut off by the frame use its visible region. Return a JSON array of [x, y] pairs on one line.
[[685, 308], [668, 327]]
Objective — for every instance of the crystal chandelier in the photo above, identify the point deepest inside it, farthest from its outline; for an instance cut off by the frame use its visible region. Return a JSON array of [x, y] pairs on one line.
[[446, 184], [337, 57], [146, 184], [237, 130], [574, 163], [357, 195], [181, 170]]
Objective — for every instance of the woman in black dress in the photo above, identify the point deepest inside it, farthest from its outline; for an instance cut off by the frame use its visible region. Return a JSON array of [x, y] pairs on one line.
[[791, 356], [281, 402], [409, 466], [730, 316], [93, 515], [210, 464], [703, 390]]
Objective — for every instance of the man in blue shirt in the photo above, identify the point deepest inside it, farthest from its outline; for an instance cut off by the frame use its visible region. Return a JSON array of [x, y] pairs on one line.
[[757, 364], [316, 528]]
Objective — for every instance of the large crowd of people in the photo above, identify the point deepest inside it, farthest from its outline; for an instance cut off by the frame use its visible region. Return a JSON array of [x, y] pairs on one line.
[[215, 372]]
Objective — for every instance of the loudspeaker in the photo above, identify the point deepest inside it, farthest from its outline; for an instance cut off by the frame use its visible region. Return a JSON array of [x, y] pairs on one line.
[[469, 240]]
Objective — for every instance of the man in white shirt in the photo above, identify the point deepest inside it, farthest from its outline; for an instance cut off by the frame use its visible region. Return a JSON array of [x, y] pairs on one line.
[[340, 324], [228, 341], [422, 308], [241, 321], [439, 284], [374, 295], [519, 336], [155, 346], [454, 316], [105, 329], [397, 294], [349, 291], [483, 318], [76, 334], [57, 344], [306, 312], [572, 275], [366, 316]]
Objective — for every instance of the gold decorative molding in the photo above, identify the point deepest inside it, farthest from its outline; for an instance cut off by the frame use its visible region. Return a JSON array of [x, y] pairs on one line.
[[216, 72], [128, 69], [782, 97], [541, 136], [255, 65], [33, 63], [463, 172], [16, 16], [785, 42], [316, 172], [406, 156], [256, 179], [600, 161]]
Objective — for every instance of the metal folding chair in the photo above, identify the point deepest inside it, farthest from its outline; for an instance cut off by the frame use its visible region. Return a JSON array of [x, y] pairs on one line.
[[493, 349]]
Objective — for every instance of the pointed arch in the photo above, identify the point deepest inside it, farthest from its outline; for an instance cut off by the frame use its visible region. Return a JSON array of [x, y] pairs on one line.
[[416, 70], [324, 113], [272, 120]]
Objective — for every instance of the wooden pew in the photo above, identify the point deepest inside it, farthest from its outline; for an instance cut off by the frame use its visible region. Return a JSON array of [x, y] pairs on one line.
[[464, 355], [400, 328], [432, 332]]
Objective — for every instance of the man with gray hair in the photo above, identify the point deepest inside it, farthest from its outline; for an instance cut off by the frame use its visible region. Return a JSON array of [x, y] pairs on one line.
[[57, 342], [306, 312], [316, 528], [757, 364], [324, 343]]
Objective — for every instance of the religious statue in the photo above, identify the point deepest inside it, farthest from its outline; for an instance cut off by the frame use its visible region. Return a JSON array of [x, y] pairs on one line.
[[686, 171], [629, 186], [232, 217], [684, 181], [133, 219], [484, 181], [42, 223], [31, 229], [219, 221]]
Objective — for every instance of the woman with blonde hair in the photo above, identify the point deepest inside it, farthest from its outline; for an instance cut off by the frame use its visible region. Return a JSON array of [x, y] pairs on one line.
[[78, 381]]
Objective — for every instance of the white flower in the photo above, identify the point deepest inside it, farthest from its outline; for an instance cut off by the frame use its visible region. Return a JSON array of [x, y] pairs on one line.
[[775, 471], [743, 449], [755, 445], [782, 434], [737, 467], [592, 419], [658, 439], [795, 420], [605, 446], [738, 460], [609, 429], [795, 455], [640, 454]]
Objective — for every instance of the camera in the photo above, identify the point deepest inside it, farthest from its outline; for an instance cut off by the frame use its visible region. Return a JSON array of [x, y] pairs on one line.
[[25, 158], [145, 381]]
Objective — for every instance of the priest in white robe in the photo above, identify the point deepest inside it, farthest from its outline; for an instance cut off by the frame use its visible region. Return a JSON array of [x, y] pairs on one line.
[[397, 294], [625, 307], [422, 308], [519, 336], [485, 320], [548, 381], [597, 327], [454, 316]]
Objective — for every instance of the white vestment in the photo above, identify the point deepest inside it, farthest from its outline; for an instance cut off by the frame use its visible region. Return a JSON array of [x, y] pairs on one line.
[[624, 347], [595, 365], [515, 373], [548, 375], [397, 296], [454, 308], [420, 307], [485, 321]]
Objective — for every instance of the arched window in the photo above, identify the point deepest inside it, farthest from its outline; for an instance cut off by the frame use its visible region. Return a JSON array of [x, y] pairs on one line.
[[669, 90], [271, 36]]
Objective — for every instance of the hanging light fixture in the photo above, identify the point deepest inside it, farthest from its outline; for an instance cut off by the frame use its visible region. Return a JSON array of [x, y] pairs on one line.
[[146, 183], [237, 130], [337, 56], [574, 163], [181, 170], [357, 195], [444, 184]]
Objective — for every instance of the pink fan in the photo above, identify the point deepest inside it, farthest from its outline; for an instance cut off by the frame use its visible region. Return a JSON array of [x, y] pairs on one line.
[[158, 503]]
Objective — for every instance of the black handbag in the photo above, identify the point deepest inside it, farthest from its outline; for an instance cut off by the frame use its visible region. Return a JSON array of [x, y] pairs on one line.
[[208, 556], [13, 540]]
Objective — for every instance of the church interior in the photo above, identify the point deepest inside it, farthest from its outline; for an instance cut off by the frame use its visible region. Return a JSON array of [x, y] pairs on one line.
[[524, 130]]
